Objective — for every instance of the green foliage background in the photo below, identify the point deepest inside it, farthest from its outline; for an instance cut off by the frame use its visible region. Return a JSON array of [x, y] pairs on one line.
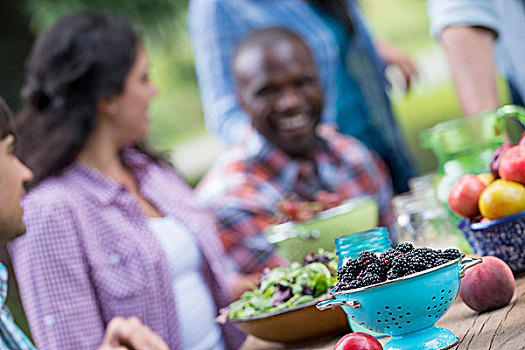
[[176, 111]]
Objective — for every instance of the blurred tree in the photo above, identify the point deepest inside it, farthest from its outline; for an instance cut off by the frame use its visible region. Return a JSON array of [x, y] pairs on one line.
[[21, 20], [15, 42]]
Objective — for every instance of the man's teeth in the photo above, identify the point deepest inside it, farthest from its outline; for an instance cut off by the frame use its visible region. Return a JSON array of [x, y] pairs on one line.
[[294, 122]]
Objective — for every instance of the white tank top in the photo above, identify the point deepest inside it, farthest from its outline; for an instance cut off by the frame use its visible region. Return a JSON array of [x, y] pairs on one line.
[[195, 306]]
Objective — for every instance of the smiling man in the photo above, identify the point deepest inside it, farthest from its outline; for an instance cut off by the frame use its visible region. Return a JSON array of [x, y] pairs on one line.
[[120, 333], [286, 152]]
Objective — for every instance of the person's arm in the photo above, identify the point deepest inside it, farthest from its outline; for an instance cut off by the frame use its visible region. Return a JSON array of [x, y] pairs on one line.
[[245, 283], [214, 36], [472, 64], [54, 282], [467, 30], [125, 334]]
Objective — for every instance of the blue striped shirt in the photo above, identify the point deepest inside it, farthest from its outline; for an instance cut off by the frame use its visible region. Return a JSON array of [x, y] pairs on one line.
[[11, 337]]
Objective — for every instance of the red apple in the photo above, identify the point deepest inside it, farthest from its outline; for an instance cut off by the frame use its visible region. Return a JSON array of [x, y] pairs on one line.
[[464, 195], [496, 157], [488, 285], [512, 164], [358, 341]]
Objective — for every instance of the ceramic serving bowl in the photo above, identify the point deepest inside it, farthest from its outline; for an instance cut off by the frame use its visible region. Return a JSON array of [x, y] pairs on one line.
[[407, 308], [503, 238], [300, 324], [294, 240]]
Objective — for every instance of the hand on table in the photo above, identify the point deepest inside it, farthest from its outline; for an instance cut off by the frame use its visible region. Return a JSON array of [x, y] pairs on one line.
[[131, 334]]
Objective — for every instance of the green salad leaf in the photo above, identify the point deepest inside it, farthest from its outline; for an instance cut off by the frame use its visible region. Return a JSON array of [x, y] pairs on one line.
[[286, 287]]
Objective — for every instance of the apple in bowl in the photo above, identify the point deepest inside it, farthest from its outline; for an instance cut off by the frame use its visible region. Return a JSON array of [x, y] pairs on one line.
[[512, 164], [464, 195]]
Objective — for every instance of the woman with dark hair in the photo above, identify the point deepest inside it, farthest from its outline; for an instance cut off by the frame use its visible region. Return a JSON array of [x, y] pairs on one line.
[[111, 229], [351, 69]]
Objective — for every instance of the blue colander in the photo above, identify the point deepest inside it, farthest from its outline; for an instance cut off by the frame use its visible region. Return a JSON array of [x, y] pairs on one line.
[[408, 307]]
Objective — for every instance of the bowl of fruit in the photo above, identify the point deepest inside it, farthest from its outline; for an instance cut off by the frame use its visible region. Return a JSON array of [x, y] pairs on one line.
[[493, 207], [283, 309], [402, 293], [303, 227]]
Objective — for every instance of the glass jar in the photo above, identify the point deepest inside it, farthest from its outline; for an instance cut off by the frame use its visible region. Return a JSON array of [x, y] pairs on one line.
[[422, 220]]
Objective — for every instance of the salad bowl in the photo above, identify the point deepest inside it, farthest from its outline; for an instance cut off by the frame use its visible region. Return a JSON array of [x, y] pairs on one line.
[[282, 308], [294, 240], [296, 325]]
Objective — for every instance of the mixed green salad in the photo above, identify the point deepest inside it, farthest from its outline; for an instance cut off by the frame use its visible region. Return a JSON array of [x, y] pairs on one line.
[[287, 287]]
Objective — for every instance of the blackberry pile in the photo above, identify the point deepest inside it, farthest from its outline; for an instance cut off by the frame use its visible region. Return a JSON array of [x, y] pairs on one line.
[[397, 262]]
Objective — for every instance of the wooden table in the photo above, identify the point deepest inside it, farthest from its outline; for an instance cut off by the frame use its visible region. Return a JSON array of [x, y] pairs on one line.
[[502, 329]]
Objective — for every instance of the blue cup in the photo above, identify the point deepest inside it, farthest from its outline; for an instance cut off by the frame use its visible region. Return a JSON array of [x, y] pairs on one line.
[[349, 246]]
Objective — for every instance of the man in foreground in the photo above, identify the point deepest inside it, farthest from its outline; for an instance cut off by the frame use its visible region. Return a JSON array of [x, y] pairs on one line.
[[120, 333], [286, 152]]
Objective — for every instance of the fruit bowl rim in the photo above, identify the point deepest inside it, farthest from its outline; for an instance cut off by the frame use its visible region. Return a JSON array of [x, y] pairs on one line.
[[387, 282], [478, 226]]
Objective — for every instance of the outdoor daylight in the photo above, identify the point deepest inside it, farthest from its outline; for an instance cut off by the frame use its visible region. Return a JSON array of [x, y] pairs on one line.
[[262, 174]]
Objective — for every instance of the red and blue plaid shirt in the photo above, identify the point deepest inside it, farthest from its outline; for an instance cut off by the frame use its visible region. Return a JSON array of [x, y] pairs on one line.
[[247, 183]]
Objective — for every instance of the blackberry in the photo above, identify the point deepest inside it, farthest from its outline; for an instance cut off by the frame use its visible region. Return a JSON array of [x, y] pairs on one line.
[[369, 278], [400, 266], [405, 247], [376, 268], [387, 257], [341, 286], [417, 263], [410, 272], [427, 255], [393, 274], [349, 271], [355, 284], [451, 254], [366, 257], [440, 261], [426, 252]]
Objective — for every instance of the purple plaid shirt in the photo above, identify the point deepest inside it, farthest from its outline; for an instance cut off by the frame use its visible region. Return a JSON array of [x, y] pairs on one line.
[[88, 255]]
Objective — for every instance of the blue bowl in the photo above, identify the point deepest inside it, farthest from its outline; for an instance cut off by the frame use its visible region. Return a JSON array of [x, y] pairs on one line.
[[408, 307], [502, 238]]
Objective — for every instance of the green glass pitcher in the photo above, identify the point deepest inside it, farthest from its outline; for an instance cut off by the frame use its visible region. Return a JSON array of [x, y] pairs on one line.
[[466, 145]]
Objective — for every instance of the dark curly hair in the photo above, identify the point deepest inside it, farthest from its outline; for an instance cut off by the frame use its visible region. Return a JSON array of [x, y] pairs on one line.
[[6, 120], [82, 59]]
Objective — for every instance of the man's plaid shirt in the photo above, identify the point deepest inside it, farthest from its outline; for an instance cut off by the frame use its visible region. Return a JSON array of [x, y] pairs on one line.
[[247, 183]]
